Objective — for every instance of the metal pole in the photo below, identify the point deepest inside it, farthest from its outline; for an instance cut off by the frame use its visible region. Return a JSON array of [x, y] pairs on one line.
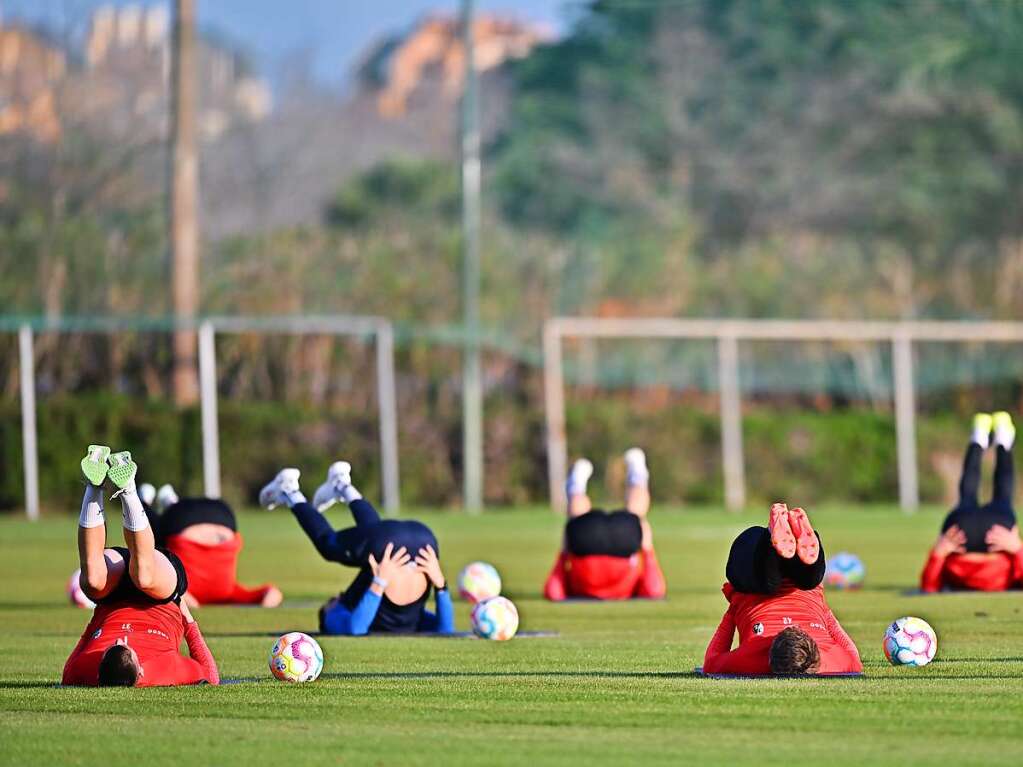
[[387, 402], [184, 210], [26, 355], [731, 423], [208, 398], [472, 394], [554, 406], [905, 420]]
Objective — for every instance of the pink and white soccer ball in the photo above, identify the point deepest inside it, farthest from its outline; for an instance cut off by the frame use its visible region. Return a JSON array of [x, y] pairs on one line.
[[478, 582], [495, 618], [296, 657], [910, 642], [75, 594]]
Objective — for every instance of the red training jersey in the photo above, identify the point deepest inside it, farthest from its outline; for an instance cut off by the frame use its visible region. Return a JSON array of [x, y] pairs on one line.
[[154, 632], [760, 617], [213, 571], [605, 577], [997, 571]]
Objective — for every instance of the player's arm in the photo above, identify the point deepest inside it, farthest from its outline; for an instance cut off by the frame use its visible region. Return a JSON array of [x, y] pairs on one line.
[[197, 647], [952, 541], [338, 619], [443, 622], [652, 585], [845, 642], [1001, 539], [555, 589], [69, 675], [720, 644]]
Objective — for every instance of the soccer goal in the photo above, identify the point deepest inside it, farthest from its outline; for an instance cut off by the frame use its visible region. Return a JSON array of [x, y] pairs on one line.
[[902, 337], [379, 329]]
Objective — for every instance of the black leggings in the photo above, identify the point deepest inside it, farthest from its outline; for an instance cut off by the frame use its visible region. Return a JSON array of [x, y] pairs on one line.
[[972, 518], [754, 567], [371, 534], [614, 534]]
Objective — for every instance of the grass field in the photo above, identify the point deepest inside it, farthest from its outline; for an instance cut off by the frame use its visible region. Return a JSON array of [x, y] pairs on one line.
[[614, 687]]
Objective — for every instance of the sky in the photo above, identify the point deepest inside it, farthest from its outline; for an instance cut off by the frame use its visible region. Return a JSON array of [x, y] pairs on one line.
[[274, 32]]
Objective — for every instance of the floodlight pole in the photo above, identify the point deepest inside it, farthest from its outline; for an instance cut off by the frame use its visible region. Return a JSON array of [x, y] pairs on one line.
[[472, 388], [30, 454]]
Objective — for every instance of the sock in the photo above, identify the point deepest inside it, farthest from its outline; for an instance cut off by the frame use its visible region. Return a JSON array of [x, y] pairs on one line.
[[1005, 437], [293, 497], [982, 438], [135, 518], [92, 507], [348, 493], [637, 475], [576, 484]]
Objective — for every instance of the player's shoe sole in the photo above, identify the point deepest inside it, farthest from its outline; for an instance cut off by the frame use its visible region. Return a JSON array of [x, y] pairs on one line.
[[782, 538], [807, 546], [94, 465], [338, 476], [121, 470]]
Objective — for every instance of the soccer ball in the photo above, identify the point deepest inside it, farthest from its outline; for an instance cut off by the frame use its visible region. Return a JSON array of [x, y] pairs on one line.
[[910, 642], [845, 571], [75, 594], [296, 657], [495, 619], [479, 582]]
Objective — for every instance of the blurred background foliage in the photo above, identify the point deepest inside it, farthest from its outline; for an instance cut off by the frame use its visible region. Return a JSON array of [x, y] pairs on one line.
[[704, 158]]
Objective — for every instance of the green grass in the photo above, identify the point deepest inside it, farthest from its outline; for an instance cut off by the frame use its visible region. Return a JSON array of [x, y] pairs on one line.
[[615, 687]]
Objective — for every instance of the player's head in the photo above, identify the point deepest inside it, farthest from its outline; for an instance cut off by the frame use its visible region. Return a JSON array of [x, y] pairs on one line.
[[794, 652], [119, 667]]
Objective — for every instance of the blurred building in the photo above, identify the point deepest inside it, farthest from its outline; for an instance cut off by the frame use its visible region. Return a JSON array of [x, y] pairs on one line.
[[119, 82], [31, 69], [429, 60]]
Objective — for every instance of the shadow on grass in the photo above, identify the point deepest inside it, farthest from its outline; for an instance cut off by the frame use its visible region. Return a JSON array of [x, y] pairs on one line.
[[415, 635]]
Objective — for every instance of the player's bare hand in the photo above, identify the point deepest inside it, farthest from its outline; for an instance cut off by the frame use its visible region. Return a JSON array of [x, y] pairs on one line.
[[952, 541], [428, 564], [390, 563], [1001, 538]]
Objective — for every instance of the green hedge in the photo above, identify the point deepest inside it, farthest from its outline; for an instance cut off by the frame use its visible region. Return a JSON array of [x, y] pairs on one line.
[[806, 456]]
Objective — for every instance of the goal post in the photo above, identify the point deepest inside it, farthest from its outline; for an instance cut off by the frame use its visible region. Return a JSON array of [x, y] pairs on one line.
[[379, 329], [728, 334]]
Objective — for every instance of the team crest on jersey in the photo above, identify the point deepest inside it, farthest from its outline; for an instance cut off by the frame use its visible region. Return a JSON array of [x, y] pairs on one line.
[[97, 633], [758, 628]]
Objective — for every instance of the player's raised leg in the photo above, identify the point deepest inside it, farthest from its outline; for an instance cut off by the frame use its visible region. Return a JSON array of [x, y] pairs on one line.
[[637, 491], [579, 502], [148, 568], [1005, 473], [100, 568]]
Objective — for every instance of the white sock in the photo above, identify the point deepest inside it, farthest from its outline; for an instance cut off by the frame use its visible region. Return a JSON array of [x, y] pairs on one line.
[[348, 493], [982, 438], [578, 479], [293, 497], [1005, 437], [636, 472], [92, 507], [135, 518]]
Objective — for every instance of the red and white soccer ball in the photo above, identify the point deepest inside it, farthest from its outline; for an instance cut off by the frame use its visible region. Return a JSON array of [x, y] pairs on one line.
[[75, 594], [479, 582], [296, 657], [910, 641], [496, 619]]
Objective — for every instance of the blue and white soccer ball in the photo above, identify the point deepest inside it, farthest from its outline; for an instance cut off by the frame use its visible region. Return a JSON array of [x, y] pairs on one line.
[[496, 619], [845, 571], [910, 641], [296, 657], [479, 582]]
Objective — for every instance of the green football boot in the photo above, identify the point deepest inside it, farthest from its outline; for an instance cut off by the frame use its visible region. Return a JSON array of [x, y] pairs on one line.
[[122, 471], [94, 465]]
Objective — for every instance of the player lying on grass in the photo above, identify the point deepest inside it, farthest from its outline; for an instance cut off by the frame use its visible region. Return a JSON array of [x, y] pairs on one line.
[[607, 555], [776, 601], [397, 559], [203, 532], [137, 627], [979, 547]]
